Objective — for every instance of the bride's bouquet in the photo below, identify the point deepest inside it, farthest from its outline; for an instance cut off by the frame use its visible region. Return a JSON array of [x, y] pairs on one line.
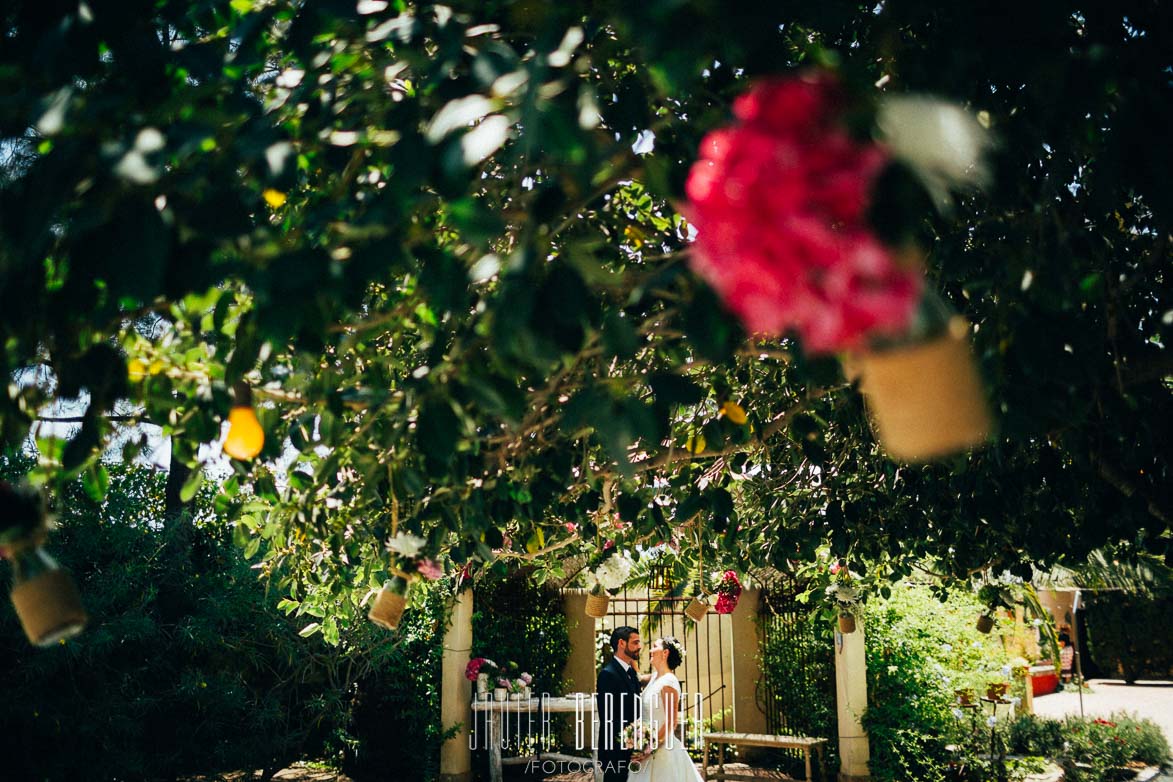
[[638, 737]]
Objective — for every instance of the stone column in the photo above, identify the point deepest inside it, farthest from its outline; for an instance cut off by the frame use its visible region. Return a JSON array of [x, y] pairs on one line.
[[579, 672], [851, 697], [455, 692], [747, 717]]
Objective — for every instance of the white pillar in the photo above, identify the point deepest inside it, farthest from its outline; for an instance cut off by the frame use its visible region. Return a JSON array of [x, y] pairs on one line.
[[455, 756], [851, 697]]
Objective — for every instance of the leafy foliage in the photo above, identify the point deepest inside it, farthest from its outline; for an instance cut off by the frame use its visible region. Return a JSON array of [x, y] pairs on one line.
[[919, 650], [421, 232], [180, 634], [798, 673], [1132, 634], [1101, 744]]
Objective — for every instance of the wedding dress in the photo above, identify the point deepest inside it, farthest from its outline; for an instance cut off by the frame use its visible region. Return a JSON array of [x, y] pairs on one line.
[[670, 762]]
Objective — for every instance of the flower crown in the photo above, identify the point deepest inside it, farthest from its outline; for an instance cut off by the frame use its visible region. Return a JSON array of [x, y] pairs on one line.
[[670, 641]]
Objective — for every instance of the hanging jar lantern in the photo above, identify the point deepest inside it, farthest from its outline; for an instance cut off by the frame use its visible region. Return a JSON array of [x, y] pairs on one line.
[[389, 605], [245, 437], [597, 604], [44, 596], [697, 608], [926, 399]]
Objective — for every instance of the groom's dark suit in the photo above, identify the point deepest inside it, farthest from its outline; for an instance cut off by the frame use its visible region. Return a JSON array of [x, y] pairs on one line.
[[617, 695]]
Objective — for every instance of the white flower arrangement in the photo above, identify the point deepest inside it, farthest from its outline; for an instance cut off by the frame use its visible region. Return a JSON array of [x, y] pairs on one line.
[[942, 143], [843, 594], [406, 544], [613, 572]]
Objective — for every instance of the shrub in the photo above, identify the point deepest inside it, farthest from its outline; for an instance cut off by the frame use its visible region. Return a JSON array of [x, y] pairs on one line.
[[1098, 744], [919, 650], [1030, 735], [1116, 644], [395, 731], [186, 666]]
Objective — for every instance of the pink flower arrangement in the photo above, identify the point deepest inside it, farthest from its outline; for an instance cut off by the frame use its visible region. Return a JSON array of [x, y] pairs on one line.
[[476, 665], [780, 203], [430, 569], [728, 593]]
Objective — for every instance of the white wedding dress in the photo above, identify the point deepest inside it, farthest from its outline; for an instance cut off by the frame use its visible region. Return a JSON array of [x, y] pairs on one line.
[[670, 762]]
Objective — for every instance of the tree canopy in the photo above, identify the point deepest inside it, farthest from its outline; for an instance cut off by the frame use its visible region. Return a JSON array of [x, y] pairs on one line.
[[441, 244]]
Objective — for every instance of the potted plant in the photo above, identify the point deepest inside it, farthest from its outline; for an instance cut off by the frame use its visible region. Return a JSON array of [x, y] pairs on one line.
[[845, 599], [995, 690], [994, 597], [519, 687], [794, 233], [481, 670], [698, 607], [609, 577], [389, 605], [501, 691], [965, 696], [728, 593], [44, 596]]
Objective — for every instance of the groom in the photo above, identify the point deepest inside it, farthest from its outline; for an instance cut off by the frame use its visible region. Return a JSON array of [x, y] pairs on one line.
[[617, 695]]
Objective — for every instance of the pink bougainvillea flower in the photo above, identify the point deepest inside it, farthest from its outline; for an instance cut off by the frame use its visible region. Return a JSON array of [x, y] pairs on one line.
[[430, 569], [780, 203], [571, 527]]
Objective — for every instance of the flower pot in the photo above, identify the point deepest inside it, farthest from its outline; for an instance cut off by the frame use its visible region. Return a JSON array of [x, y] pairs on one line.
[[482, 683], [526, 694], [596, 605], [697, 608], [500, 694], [926, 400], [49, 607], [846, 624], [985, 623], [515, 696], [995, 691], [964, 696], [387, 609]]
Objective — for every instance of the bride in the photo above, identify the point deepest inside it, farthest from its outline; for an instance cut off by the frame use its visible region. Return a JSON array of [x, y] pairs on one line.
[[669, 761]]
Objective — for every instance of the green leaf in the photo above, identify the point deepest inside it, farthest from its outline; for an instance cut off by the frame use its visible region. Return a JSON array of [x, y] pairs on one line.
[[96, 482], [192, 485], [310, 629]]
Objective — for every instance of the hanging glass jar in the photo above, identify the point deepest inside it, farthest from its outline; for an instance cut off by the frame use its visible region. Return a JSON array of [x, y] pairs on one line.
[[45, 597]]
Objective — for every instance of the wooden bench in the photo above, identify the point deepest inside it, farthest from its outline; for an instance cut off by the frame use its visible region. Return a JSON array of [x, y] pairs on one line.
[[758, 740]]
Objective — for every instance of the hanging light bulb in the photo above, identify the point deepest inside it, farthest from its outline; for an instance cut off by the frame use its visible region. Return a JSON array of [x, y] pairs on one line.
[[45, 597], [245, 436]]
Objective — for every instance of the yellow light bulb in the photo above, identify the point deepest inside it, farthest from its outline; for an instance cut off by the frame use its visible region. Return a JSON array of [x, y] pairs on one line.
[[245, 435]]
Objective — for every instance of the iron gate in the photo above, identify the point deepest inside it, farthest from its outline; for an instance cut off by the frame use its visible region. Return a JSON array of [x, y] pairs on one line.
[[797, 688], [706, 674]]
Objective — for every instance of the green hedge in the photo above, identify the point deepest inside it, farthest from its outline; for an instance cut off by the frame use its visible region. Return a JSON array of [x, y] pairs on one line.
[[186, 667], [1131, 636]]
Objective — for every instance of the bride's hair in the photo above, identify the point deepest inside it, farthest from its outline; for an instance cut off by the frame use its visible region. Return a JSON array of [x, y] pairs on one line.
[[675, 652]]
